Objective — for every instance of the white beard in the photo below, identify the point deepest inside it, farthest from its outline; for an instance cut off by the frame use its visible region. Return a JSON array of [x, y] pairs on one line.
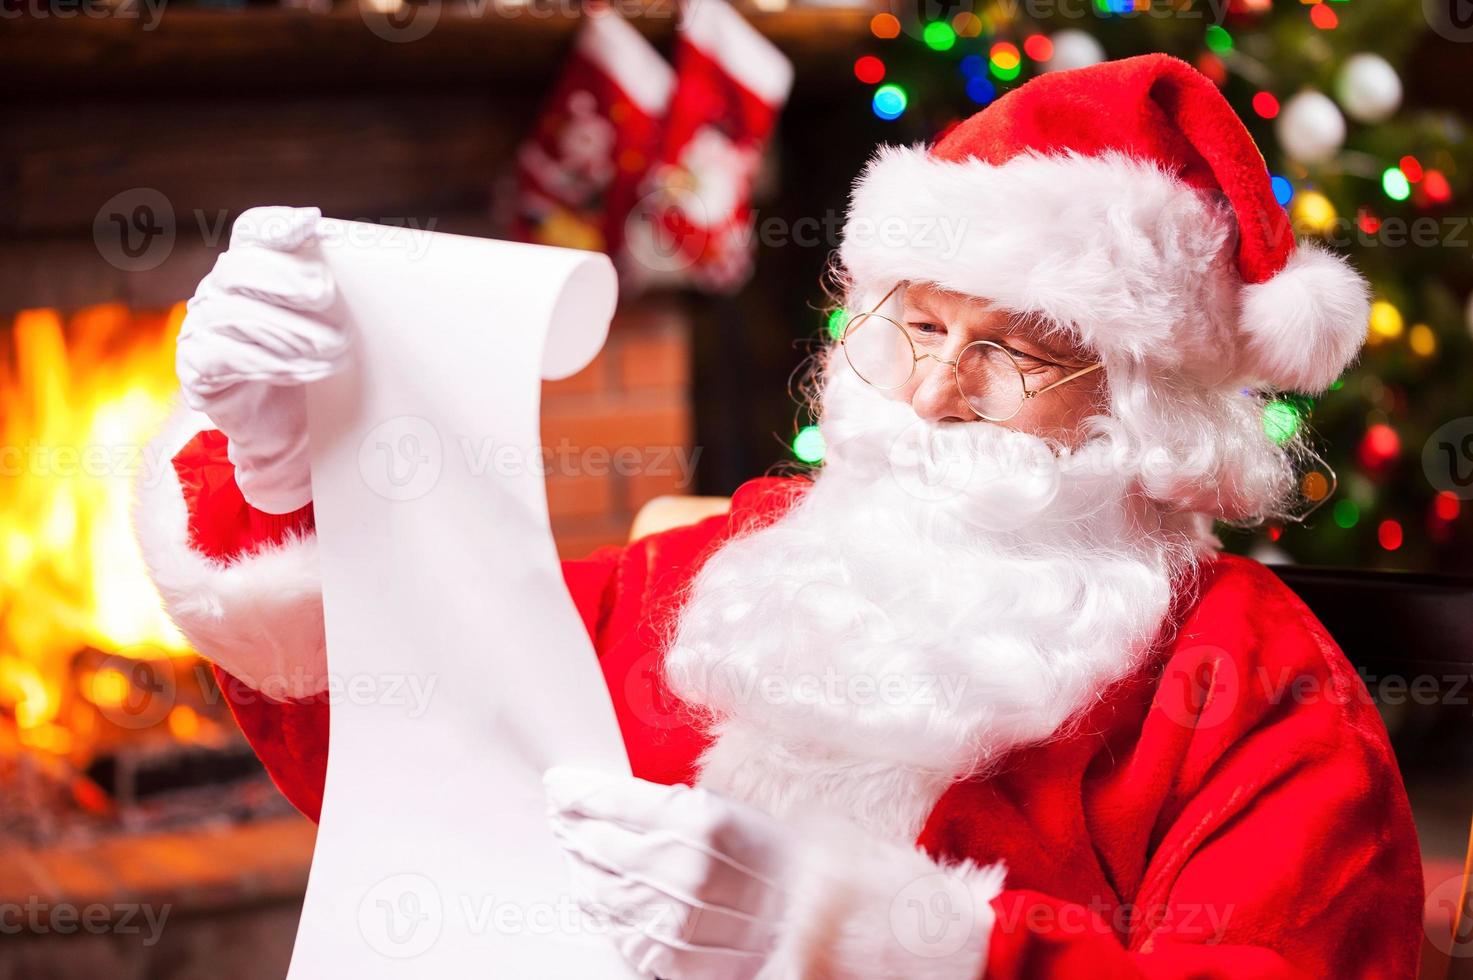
[[941, 595]]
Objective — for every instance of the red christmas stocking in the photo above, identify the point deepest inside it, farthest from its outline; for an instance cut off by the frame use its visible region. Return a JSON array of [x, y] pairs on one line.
[[578, 174], [694, 224]]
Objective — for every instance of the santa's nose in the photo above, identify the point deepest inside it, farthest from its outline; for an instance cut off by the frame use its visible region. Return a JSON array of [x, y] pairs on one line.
[[936, 397]]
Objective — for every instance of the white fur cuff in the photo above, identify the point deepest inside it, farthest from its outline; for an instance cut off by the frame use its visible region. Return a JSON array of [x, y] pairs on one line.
[[860, 907], [259, 617]]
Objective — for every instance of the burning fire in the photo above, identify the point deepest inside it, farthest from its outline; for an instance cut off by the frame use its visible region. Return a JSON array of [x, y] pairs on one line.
[[78, 404]]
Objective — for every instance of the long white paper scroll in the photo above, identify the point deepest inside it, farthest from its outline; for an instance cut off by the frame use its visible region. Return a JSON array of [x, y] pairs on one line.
[[460, 669]]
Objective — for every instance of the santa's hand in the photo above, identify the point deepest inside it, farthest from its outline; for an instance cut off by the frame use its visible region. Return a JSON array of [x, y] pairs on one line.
[[700, 887], [258, 328], [687, 880]]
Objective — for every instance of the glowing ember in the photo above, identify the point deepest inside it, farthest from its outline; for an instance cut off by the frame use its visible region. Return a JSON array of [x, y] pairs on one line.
[[78, 405]]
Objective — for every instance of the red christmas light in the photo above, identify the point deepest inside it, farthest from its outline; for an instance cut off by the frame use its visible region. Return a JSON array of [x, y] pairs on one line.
[[1389, 534], [869, 70], [1411, 168], [1266, 105], [1212, 66], [1323, 17], [1038, 47], [1435, 186], [1447, 506], [1380, 446]]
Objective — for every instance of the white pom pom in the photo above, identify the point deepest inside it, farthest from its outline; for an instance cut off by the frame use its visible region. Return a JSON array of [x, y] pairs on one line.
[[1305, 326]]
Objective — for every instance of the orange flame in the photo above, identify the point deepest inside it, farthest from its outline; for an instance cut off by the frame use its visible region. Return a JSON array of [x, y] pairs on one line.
[[77, 408]]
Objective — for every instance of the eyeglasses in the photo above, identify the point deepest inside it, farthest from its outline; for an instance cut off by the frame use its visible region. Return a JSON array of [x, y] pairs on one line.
[[884, 355]]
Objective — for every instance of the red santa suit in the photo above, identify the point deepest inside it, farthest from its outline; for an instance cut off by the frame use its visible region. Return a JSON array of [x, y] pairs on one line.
[[1233, 811], [1228, 807]]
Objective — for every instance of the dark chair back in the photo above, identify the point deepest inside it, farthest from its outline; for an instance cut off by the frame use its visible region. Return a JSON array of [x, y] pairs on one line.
[[1410, 626]]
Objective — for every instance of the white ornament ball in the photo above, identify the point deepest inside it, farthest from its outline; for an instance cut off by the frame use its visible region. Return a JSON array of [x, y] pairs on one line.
[[1310, 128], [1074, 49], [1369, 88]]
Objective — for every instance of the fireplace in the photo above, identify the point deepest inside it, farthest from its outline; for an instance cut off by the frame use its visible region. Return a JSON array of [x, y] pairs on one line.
[[127, 795]]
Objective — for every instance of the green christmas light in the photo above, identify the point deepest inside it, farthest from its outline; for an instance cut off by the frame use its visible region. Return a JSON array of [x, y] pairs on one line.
[[1280, 421], [1004, 74], [808, 444], [1219, 40], [1347, 514], [838, 320], [1395, 184], [939, 36]]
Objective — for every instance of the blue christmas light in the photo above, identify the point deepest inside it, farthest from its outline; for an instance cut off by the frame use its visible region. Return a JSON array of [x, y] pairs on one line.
[[1283, 190], [889, 101], [980, 90]]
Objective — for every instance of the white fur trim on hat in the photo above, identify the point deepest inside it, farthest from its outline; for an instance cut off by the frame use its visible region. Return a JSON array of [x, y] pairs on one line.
[[1307, 324], [258, 617], [853, 904], [1117, 251]]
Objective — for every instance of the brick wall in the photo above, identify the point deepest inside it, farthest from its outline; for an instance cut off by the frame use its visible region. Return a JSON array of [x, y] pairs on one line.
[[619, 432]]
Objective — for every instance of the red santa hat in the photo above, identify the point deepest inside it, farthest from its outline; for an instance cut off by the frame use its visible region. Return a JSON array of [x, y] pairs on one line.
[[1124, 202]]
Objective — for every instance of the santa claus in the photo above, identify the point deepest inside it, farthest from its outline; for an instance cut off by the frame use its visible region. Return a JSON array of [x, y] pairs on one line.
[[979, 698]]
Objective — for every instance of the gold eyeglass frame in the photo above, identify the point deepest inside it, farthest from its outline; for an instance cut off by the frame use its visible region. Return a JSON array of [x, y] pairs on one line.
[[953, 364]]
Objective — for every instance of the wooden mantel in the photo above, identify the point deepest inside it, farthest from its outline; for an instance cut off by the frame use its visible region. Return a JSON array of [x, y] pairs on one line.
[[194, 51]]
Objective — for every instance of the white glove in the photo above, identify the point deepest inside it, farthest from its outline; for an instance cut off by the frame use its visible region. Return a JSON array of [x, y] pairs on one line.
[[259, 327], [687, 880], [696, 886]]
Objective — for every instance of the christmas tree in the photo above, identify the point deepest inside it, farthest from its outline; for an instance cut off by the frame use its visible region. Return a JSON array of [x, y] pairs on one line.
[[1358, 167]]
